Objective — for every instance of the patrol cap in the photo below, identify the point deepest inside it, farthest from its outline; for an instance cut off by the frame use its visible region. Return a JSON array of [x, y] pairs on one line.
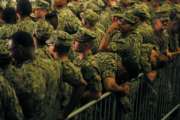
[[75, 7], [60, 38], [90, 16], [84, 35], [142, 10], [163, 12], [128, 16], [42, 4]]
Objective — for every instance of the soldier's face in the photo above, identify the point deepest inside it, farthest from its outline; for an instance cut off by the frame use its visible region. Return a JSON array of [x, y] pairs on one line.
[[75, 45], [51, 48], [39, 13], [158, 25], [154, 56]]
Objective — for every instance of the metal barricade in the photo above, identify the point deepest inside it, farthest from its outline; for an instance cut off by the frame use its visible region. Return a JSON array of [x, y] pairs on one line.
[[149, 101]]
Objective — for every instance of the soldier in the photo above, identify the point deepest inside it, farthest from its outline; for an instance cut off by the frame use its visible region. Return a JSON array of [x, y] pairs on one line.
[[59, 45], [9, 104], [122, 38], [43, 28], [89, 19], [142, 11], [83, 43], [66, 17], [25, 23], [173, 29], [160, 25], [9, 17], [35, 89]]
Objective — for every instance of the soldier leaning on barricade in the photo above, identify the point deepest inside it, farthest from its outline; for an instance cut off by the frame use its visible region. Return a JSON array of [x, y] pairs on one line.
[[72, 83]]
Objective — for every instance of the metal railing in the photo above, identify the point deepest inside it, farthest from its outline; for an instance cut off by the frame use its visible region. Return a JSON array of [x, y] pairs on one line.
[[158, 100]]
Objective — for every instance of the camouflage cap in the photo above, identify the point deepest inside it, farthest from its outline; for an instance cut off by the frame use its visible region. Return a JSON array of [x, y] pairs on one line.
[[127, 1], [145, 56], [92, 6], [42, 4], [128, 16], [60, 38], [75, 7], [142, 10], [85, 35], [90, 16], [164, 11]]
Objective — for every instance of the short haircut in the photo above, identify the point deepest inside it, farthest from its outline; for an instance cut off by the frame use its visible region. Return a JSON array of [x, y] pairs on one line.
[[24, 7], [9, 15], [23, 38]]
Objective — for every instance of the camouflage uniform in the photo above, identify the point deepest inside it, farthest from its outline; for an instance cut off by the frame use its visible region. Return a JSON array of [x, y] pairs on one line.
[[91, 17], [26, 25], [9, 104], [36, 84], [145, 28], [162, 37], [90, 74], [67, 18], [127, 45], [145, 57]]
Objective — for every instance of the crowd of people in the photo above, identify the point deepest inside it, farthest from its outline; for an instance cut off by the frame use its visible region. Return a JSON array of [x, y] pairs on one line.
[[58, 54]]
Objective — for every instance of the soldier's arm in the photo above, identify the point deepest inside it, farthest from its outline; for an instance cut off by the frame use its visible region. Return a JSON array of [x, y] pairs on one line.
[[105, 39]]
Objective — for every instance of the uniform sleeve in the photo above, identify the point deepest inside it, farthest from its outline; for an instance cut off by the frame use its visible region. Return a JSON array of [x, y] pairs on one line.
[[71, 74]]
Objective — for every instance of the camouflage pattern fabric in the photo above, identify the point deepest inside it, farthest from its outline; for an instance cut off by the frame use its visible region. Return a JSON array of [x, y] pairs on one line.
[[10, 108], [43, 29], [7, 30], [39, 80], [26, 25], [90, 74]]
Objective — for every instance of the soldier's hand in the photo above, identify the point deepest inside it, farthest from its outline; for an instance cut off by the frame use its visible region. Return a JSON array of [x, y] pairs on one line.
[[126, 88], [115, 25]]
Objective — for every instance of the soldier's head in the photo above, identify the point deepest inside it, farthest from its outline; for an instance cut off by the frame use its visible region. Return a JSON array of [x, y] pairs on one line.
[[59, 43], [60, 3], [89, 18], [21, 46], [52, 18], [142, 11], [83, 40], [24, 8], [127, 21], [163, 15], [41, 8], [9, 16]]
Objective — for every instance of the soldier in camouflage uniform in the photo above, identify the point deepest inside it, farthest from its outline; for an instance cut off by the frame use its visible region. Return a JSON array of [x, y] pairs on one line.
[[10, 108], [59, 45], [174, 28], [123, 39], [160, 25], [89, 19], [83, 43], [66, 17], [43, 28], [142, 11], [35, 82], [25, 23], [9, 27]]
